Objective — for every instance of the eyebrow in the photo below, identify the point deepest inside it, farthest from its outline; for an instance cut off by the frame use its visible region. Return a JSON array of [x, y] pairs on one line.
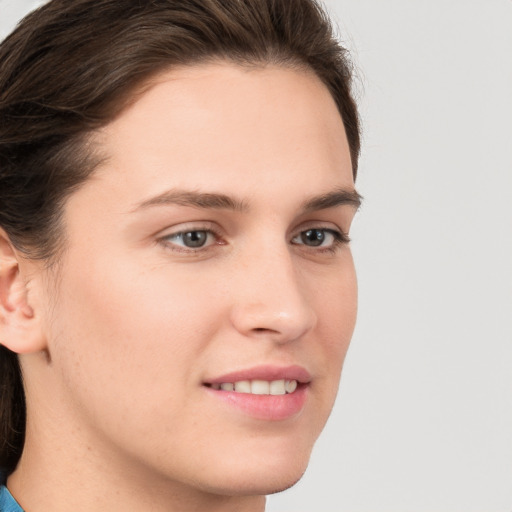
[[215, 201], [338, 197], [195, 199]]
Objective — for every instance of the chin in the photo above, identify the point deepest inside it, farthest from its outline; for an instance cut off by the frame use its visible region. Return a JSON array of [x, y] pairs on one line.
[[260, 487], [280, 485], [261, 478]]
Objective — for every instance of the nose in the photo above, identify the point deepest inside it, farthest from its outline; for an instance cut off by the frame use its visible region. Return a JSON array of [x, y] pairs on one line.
[[272, 300]]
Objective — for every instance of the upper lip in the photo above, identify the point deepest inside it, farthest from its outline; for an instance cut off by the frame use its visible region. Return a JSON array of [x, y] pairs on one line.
[[265, 372]]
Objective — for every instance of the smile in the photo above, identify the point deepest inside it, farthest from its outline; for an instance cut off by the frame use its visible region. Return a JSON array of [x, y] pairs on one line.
[[266, 392], [258, 387]]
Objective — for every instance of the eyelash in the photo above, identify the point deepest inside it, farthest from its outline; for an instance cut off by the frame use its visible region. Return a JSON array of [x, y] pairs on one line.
[[209, 230], [339, 239]]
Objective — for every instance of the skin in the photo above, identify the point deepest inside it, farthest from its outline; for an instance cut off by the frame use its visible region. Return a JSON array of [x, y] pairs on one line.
[[119, 340]]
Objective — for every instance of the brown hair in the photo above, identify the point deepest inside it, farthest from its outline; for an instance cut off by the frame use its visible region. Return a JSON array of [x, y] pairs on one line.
[[71, 66]]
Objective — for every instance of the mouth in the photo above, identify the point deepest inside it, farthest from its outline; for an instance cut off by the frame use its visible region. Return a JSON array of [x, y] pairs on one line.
[[264, 393]]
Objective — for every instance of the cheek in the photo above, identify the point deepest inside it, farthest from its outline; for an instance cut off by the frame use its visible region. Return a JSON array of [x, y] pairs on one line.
[[336, 299], [337, 312], [119, 328]]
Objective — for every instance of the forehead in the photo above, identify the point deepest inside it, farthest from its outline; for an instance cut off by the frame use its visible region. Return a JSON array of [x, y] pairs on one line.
[[219, 124]]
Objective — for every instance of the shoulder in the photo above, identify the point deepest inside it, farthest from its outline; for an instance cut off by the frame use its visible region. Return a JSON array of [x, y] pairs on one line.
[[7, 502]]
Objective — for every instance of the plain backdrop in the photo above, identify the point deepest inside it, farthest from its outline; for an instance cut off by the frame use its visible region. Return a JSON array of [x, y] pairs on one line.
[[423, 421]]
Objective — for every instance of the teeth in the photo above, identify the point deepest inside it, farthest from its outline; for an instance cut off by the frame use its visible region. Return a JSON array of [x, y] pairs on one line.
[[290, 386], [244, 386], [259, 387], [277, 387]]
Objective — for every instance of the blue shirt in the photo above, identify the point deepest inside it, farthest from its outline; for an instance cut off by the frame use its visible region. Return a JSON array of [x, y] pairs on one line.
[[7, 502]]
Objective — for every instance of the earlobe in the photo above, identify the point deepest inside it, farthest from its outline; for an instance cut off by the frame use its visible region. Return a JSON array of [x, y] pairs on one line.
[[20, 329]]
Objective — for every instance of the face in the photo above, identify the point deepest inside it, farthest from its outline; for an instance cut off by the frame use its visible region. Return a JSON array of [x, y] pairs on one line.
[[207, 294]]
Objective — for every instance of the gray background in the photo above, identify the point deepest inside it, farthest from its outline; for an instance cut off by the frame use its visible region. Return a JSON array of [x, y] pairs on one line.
[[423, 422]]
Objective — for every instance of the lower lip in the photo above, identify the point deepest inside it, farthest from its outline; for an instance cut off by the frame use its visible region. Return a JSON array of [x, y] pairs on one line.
[[265, 407]]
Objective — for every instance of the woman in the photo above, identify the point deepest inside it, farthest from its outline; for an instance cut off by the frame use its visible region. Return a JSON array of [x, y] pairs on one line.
[[176, 284]]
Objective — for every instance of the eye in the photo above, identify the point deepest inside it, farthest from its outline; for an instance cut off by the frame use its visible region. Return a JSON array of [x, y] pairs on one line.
[[320, 237], [193, 239]]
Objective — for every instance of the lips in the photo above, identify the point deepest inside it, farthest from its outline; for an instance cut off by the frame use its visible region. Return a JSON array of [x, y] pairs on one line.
[[263, 392]]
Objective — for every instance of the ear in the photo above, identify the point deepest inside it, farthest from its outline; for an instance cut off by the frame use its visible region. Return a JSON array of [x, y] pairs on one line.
[[20, 329]]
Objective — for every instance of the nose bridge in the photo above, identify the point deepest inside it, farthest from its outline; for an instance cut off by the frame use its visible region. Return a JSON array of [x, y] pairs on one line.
[[272, 299]]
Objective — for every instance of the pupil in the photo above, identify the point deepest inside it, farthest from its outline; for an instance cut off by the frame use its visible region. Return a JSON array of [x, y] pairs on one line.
[[194, 238], [313, 237]]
